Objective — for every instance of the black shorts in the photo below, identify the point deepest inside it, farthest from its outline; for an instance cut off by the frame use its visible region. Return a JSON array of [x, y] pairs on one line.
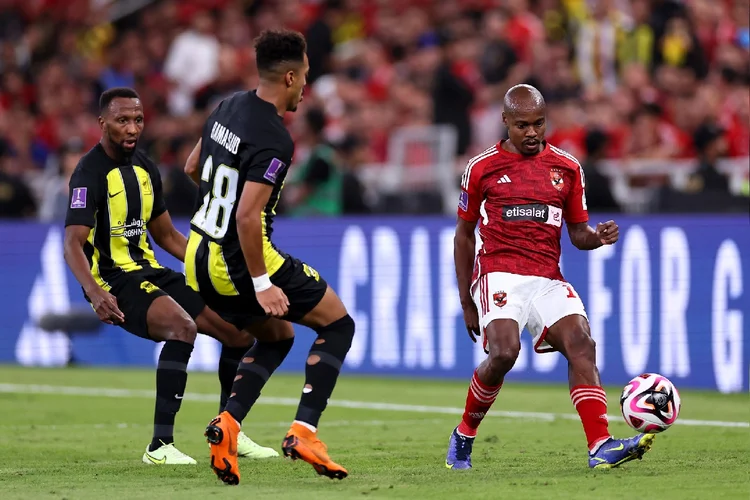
[[302, 285], [135, 291]]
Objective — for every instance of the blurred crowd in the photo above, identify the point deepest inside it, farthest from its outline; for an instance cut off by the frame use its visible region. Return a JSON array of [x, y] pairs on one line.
[[624, 79]]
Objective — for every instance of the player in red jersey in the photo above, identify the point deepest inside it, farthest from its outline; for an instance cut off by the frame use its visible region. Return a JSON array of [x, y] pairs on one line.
[[520, 191]]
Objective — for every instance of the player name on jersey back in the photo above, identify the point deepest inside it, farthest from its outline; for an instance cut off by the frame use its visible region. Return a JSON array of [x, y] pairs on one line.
[[533, 212], [225, 137]]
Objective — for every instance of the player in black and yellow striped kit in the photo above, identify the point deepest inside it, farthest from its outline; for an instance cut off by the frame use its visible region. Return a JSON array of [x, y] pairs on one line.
[[240, 164], [115, 201]]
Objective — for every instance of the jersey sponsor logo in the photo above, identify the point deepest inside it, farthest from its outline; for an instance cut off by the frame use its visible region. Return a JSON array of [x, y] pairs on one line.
[[136, 227], [274, 169], [504, 180], [536, 212], [555, 176], [500, 298], [78, 200], [112, 195], [463, 201], [225, 138]]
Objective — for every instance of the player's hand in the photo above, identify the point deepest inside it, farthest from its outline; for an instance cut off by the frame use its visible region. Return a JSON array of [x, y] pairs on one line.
[[471, 318], [273, 301], [608, 232], [105, 305]]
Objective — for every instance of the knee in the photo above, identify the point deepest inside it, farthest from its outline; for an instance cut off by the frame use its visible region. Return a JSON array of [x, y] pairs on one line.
[[338, 335], [503, 358], [343, 327], [580, 346], [241, 339], [184, 330]]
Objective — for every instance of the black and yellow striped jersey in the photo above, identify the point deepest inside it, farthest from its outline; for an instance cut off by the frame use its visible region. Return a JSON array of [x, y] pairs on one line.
[[244, 139], [117, 202]]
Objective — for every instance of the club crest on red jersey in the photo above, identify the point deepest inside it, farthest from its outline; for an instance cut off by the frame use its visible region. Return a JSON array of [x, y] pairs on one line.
[[557, 179], [500, 298]]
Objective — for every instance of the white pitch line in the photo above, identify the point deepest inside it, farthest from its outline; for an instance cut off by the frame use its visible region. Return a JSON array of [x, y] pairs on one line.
[[255, 424], [357, 405]]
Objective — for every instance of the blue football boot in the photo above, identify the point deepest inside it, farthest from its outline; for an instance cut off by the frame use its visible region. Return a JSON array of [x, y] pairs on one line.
[[615, 452], [459, 451]]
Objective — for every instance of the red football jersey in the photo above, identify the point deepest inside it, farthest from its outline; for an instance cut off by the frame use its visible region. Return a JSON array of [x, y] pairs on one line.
[[520, 203]]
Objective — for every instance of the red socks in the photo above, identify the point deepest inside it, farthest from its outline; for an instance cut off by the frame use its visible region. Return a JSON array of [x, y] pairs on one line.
[[591, 404], [478, 402]]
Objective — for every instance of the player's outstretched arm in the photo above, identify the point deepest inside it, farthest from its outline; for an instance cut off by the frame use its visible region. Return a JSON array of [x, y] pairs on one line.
[[191, 165], [585, 237], [167, 236], [254, 198], [104, 303], [464, 248]]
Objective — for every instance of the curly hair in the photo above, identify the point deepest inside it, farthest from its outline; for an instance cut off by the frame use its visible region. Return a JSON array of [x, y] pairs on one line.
[[274, 48]]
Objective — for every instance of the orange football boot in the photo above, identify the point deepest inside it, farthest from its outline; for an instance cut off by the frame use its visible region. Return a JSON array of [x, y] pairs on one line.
[[302, 443], [221, 435]]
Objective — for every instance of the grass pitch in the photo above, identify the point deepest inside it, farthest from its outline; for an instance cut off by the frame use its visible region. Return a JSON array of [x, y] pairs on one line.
[[80, 434]]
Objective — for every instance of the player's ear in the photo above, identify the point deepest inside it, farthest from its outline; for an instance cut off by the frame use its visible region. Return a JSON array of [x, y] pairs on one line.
[[101, 122], [289, 78], [505, 120]]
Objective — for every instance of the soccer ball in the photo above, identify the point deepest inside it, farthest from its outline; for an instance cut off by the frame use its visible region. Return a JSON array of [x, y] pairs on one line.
[[650, 403]]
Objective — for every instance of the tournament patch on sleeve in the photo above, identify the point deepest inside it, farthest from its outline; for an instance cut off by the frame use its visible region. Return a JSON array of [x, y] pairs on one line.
[[463, 201], [78, 200], [274, 169]]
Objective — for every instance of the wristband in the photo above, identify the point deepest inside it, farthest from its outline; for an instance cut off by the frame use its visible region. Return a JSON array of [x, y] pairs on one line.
[[262, 283]]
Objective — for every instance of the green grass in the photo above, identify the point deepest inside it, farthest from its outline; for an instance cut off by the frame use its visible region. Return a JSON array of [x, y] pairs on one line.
[[90, 447]]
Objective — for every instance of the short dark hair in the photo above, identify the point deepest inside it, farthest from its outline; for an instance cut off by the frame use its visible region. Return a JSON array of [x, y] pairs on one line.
[[109, 95], [276, 47]]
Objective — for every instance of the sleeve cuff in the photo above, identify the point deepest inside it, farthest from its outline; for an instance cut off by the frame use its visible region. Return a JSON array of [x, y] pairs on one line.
[[467, 217], [577, 221], [157, 212], [79, 223]]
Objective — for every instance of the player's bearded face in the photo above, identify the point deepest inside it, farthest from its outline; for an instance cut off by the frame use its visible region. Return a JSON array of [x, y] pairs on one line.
[[526, 130], [123, 124]]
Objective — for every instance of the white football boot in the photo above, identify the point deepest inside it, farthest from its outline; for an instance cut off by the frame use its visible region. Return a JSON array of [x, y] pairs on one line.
[[167, 454], [248, 448]]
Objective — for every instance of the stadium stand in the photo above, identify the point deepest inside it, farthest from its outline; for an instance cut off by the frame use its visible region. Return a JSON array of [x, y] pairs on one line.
[[660, 89]]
